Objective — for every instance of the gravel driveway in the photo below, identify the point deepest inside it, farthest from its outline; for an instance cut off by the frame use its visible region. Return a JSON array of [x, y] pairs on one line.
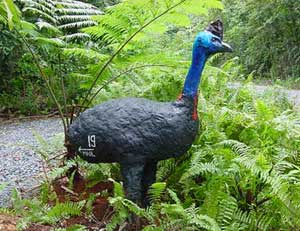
[[293, 95], [19, 164]]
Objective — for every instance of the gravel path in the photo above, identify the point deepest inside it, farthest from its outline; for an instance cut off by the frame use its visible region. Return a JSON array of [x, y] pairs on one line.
[[19, 163], [293, 95]]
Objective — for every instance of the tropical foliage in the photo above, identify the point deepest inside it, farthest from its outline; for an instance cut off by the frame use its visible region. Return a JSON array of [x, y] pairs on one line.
[[9, 14], [266, 40], [64, 18], [242, 172]]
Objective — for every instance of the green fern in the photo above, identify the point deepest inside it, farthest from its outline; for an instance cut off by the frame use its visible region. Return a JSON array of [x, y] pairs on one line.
[[238, 147], [121, 212], [9, 14], [35, 210], [62, 210], [226, 212], [199, 167], [165, 168], [156, 190], [63, 17]]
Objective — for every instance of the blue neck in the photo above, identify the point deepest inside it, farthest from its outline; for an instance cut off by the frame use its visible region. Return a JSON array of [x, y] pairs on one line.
[[193, 77]]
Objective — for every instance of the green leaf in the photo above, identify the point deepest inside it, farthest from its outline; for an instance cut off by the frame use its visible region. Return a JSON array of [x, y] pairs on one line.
[[29, 29], [118, 189], [214, 4], [50, 42], [158, 28], [12, 13], [178, 19], [194, 7], [156, 190]]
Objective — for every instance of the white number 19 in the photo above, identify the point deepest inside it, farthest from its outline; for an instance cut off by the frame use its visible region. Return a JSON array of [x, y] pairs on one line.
[[92, 141]]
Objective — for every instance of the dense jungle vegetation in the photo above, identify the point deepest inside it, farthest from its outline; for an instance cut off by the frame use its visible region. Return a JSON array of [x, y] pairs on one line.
[[265, 37], [243, 171]]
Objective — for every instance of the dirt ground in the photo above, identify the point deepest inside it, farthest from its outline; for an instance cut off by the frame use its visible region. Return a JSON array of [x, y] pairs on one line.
[[7, 222]]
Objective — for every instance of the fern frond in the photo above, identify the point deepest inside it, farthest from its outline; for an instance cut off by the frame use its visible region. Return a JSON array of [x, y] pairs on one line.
[[73, 18], [118, 189], [62, 210], [227, 210], [84, 53], [6, 211], [238, 147], [156, 190], [201, 168], [39, 5], [198, 165], [71, 37], [2, 186], [134, 208], [50, 42], [79, 24], [78, 11], [60, 171], [73, 4], [65, 15], [263, 111], [174, 196], [9, 14], [165, 168], [48, 26], [262, 222], [204, 222], [41, 13]]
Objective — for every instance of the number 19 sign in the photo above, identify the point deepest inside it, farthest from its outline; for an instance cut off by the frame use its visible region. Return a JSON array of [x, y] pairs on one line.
[[91, 145]]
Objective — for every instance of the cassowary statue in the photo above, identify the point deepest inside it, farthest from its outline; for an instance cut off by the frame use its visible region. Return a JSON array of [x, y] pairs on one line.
[[137, 132]]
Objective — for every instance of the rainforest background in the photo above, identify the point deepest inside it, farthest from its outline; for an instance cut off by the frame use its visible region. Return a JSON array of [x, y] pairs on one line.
[[243, 171]]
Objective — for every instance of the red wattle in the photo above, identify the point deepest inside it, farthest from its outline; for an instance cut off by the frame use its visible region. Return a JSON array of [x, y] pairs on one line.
[[195, 113], [180, 96]]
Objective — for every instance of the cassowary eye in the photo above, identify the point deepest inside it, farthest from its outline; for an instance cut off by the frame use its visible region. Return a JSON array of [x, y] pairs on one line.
[[214, 39]]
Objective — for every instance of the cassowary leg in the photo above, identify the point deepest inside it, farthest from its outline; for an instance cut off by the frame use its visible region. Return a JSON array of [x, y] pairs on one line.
[[132, 174], [147, 180]]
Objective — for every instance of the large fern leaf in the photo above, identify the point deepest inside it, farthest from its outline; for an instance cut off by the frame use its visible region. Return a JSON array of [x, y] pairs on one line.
[[69, 16]]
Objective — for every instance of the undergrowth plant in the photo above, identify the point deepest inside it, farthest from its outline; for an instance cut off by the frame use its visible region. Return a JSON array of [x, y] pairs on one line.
[[242, 173], [35, 210]]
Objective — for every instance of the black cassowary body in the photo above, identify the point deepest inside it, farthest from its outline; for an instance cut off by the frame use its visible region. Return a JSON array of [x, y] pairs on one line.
[[137, 132]]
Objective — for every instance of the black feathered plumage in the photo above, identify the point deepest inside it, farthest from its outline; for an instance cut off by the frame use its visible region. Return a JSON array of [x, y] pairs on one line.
[[137, 133]]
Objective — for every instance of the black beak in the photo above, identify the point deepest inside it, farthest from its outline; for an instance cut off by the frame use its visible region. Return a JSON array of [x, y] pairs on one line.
[[226, 48]]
